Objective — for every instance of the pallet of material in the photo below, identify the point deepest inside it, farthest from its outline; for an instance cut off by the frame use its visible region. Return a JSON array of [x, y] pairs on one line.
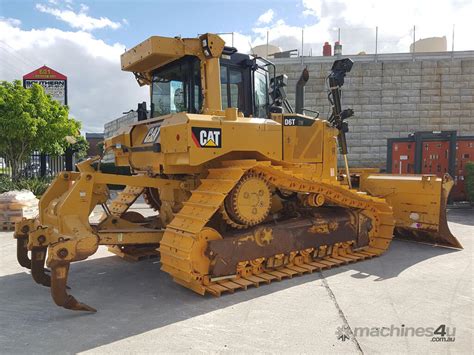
[[16, 205]]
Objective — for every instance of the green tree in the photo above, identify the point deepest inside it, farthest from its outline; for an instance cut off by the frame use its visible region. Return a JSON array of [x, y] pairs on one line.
[[100, 147], [80, 147], [31, 121]]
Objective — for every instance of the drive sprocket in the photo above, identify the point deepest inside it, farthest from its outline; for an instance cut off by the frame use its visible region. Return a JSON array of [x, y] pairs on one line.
[[152, 198], [249, 202]]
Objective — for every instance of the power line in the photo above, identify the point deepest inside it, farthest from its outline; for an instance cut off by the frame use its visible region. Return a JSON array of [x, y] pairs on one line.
[[13, 66], [10, 64], [13, 51], [18, 58], [11, 54]]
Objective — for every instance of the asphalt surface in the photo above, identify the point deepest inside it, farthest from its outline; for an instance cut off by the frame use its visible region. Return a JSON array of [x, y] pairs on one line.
[[141, 310]]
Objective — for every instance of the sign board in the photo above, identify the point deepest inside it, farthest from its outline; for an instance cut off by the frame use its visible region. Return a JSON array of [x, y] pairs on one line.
[[53, 83]]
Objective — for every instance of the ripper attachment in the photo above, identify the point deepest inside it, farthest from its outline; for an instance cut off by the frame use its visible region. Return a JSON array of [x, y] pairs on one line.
[[338, 116]]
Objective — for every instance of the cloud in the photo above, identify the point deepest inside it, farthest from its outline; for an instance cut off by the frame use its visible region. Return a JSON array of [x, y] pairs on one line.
[[79, 19], [98, 91], [11, 21], [312, 8], [266, 17], [84, 8], [238, 40]]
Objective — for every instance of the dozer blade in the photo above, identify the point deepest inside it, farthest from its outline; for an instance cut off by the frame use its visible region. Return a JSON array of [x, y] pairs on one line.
[[418, 203]]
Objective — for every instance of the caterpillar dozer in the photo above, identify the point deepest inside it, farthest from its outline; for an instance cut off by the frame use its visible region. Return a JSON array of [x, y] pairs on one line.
[[245, 187]]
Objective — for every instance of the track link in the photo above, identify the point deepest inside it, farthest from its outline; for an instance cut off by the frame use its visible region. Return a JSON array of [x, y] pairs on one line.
[[124, 200], [183, 236]]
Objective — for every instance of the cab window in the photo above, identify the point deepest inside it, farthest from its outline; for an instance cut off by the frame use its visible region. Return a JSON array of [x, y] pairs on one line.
[[261, 93], [224, 98], [232, 88], [177, 88]]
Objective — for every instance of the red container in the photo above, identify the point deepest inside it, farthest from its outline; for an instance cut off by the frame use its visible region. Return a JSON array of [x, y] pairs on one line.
[[434, 153], [327, 50], [403, 158], [464, 154]]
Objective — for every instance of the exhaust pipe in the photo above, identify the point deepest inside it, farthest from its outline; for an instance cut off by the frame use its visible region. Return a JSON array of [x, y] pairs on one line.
[[142, 112], [299, 100]]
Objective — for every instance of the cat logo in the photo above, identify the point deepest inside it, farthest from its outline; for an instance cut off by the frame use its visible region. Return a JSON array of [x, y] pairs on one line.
[[152, 135], [207, 137]]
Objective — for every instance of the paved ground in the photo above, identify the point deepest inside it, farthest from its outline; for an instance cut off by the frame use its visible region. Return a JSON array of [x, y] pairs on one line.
[[142, 310]]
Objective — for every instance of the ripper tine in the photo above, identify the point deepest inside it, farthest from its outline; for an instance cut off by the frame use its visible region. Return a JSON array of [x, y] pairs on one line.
[[38, 256], [22, 230], [59, 275], [22, 251]]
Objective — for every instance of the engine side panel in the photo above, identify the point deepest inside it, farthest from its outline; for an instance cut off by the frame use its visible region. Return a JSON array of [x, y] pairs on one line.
[[184, 143], [302, 139]]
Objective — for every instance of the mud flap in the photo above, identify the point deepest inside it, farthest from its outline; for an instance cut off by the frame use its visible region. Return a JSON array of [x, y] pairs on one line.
[[418, 203]]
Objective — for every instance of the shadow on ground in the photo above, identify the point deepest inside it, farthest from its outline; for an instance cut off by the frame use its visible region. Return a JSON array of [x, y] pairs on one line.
[[462, 216], [133, 298]]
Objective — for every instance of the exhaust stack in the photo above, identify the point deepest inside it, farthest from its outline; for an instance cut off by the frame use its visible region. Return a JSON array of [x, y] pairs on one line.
[[299, 100]]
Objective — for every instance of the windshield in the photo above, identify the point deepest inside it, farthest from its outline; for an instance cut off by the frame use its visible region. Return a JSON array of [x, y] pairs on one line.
[[177, 88]]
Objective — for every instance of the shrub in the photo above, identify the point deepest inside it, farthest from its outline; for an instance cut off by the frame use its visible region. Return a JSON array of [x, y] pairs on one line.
[[469, 169], [6, 184], [36, 185]]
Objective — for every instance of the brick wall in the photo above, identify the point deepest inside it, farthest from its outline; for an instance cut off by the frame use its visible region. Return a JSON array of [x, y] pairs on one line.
[[392, 97]]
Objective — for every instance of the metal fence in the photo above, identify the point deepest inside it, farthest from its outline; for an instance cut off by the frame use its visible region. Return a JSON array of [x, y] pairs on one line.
[[40, 165]]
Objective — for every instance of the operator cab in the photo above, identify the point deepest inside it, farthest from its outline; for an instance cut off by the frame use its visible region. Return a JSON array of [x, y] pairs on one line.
[[176, 87]]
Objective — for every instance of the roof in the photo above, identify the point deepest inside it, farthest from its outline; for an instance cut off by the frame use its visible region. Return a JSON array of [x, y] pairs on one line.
[[44, 73]]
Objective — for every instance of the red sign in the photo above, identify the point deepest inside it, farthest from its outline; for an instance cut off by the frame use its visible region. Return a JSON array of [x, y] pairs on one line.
[[53, 83], [44, 73]]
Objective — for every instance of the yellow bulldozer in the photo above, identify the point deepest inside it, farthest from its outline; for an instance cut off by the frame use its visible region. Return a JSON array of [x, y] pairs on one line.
[[245, 187]]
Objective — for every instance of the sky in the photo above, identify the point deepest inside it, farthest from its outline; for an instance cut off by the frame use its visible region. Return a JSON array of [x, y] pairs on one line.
[[84, 39]]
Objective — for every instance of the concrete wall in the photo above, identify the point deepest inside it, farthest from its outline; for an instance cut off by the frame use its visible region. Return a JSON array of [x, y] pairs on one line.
[[392, 96]]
